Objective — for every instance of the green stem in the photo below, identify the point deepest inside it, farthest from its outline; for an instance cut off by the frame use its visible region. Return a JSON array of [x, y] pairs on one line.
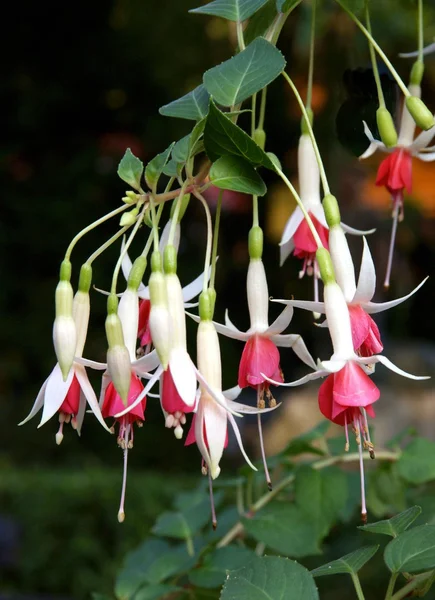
[[302, 207], [240, 38], [190, 547], [281, 485], [391, 585], [253, 113], [150, 237], [262, 108], [403, 592], [104, 247], [92, 226], [323, 177], [255, 221], [420, 30], [378, 49], [155, 223], [217, 220], [357, 584], [373, 60], [176, 213], [311, 63], [209, 239]]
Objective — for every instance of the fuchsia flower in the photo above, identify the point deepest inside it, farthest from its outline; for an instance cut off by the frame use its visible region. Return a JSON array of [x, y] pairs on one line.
[[173, 406], [365, 333], [395, 171], [297, 237]]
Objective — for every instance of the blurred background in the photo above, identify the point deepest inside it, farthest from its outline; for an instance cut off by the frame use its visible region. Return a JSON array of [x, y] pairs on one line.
[[82, 82]]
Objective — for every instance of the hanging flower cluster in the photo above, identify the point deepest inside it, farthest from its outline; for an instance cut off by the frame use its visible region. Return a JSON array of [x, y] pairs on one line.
[[147, 354]]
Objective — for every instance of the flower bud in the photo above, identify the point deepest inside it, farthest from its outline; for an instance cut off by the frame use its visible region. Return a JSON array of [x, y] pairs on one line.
[[129, 218], [64, 329], [332, 211], [259, 137], [386, 127], [325, 266], [420, 112], [258, 296], [209, 356], [130, 197], [81, 311], [159, 319], [255, 242], [417, 72]]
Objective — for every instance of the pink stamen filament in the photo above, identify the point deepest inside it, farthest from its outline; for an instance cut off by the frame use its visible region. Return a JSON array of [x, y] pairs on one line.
[[397, 200], [263, 454], [361, 470], [213, 510]]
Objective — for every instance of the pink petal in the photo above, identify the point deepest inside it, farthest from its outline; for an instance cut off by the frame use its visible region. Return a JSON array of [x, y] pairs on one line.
[[372, 344], [144, 333], [70, 405], [113, 404], [360, 325], [303, 239], [260, 357], [326, 402], [171, 399], [353, 387]]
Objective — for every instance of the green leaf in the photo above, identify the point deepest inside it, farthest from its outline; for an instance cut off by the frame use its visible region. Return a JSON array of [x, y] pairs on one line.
[[386, 491], [130, 169], [193, 105], [286, 5], [259, 23], [172, 169], [222, 137], [213, 571], [417, 462], [232, 10], [395, 525], [321, 496], [195, 142], [412, 551], [244, 74], [155, 592], [155, 167], [270, 577], [302, 443], [137, 564], [351, 563], [234, 173], [180, 151], [284, 528]]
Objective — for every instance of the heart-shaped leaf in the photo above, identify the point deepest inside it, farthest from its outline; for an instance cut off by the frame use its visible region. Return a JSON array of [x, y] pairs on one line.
[[222, 137], [236, 174], [412, 551], [244, 74], [417, 462], [259, 23], [396, 525], [155, 167], [351, 563], [270, 577], [193, 105], [130, 169], [233, 10], [216, 565], [286, 5]]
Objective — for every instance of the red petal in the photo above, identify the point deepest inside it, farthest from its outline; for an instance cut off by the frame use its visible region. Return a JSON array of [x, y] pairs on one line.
[[171, 399], [70, 405], [395, 171], [143, 332], [326, 402], [303, 239], [360, 325], [260, 355], [113, 403], [353, 387], [372, 344]]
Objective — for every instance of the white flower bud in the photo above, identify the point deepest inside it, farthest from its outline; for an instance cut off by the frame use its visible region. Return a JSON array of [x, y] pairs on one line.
[[65, 341], [308, 171], [342, 261], [209, 356], [337, 315], [128, 313], [258, 296], [119, 368], [81, 311]]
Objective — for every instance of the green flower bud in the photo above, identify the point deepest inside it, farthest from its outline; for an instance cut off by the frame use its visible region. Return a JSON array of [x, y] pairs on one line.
[[332, 211], [136, 273], [417, 73], [205, 306], [85, 278], [170, 259], [129, 218], [325, 265], [420, 112], [156, 262], [147, 218], [255, 242], [386, 127], [304, 127], [65, 270], [112, 304], [259, 137]]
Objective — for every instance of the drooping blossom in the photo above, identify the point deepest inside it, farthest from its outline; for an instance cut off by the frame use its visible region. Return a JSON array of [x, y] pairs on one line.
[[365, 333], [297, 236], [68, 398], [260, 359], [395, 171], [348, 389]]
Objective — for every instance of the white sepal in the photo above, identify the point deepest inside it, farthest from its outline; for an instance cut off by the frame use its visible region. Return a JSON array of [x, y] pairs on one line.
[[342, 261], [176, 310], [258, 296], [208, 354], [81, 311], [119, 367], [128, 313], [55, 393], [65, 342], [338, 318], [309, 174]]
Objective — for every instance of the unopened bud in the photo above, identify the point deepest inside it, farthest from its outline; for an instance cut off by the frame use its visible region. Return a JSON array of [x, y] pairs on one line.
[[85, 278], [136, 273], [259, 137], [129, 218], [304, 126], [332, 211], [170, 259], [147, 219], [119, 368], [255, 242], [420, 112], [417, 72], [205, 306], [325, 266], [386, 127], [275, 161]]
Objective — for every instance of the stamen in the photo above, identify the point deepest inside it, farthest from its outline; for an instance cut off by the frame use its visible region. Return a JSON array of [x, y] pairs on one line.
[[126, 446], [59, 434], [263, 454], [213, 510], [346, 433], [178, 432], [361, 471], [370, 445], [169, 421], [204, 468], [397, 199]]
